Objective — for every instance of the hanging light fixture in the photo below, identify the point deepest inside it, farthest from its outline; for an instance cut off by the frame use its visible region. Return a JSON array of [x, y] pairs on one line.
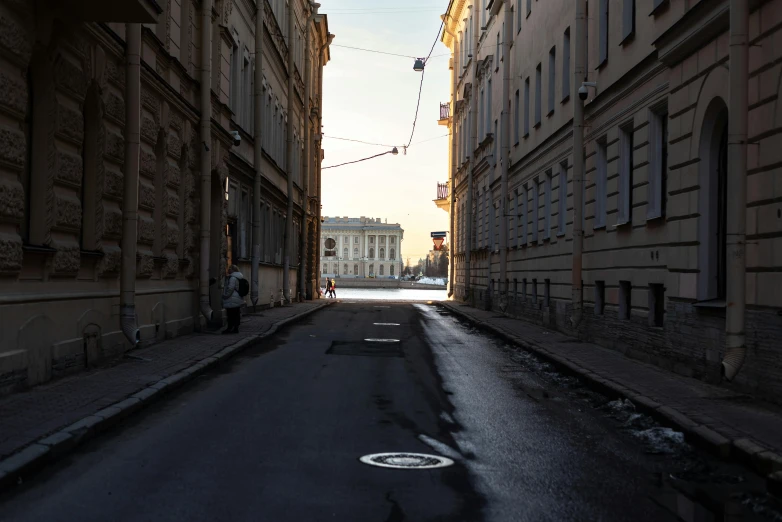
[[394, 151], [419, 65]]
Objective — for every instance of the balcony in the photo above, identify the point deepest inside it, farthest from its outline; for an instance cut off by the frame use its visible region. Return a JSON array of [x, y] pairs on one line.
[[442, 201], [445, 114]]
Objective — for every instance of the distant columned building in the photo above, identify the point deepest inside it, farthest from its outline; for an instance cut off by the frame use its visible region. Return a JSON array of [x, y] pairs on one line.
[[360, 248]]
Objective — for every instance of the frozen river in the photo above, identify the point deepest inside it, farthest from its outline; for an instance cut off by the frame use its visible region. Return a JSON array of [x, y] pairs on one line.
[[390, 294]]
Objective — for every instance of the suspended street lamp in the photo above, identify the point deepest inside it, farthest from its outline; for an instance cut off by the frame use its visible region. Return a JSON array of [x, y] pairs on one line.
[[419, 64]]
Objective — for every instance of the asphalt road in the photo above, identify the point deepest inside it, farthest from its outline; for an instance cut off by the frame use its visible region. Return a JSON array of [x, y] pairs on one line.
[[276, 435]]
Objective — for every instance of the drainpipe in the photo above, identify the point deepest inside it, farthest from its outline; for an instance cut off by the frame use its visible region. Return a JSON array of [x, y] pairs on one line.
[[286, 280], [505, 116], [452, 184], [473, 145], [257, 152], [206, 159], [318, 224], [130, 199], [307, 184], [736, 349], [579, 75]]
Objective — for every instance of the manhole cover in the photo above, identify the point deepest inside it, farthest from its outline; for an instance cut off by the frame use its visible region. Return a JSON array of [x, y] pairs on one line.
[[406, 461]]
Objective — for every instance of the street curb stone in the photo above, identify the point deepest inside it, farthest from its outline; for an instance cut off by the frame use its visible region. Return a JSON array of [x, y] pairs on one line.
[[745, 450], [55, 445]]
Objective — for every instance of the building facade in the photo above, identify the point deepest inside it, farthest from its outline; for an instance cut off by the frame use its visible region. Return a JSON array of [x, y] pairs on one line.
[[360, 248], [146, 145], [660, 236]]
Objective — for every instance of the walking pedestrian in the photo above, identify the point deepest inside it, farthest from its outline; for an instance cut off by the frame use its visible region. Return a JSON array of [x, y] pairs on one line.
[[236, 287], [334, 288], [328, 288]]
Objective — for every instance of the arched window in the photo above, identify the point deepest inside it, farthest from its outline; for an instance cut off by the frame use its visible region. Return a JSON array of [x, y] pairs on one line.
[[382, 253], [392, 254], [371, 270], [371, 253], [355, 270], [355, 252], [391, 270], [382, 270], [325, 268], [345, 269], [345, 253]]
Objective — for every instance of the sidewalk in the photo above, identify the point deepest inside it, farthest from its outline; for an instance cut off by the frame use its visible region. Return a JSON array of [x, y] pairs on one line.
[[74, 407], [728, 423]]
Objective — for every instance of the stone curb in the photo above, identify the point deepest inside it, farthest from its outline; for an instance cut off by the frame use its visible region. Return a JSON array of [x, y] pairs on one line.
[[33, 457], [745, 450]]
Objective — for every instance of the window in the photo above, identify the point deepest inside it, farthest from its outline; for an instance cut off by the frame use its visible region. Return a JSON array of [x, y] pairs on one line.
[[600, 297], [529, 7], [625, 204], [480, 117], [547, 292], [658, 165], [392, 254], [511, 23], [496, 139], [382, 253], [538, 94], [516, 118], [325, 268], [355, 240], [628, 19], [566, 65], [625, 299], [371, 240], [492, 231], [656, 304], [486, 212], [600, 185], [235, 79], [382, 270], [498, 54], [562, 198], [372, 270], [488, 109], [552, 79], [547, 206], [371, 253], [534, 210], [524, 289], [345, 253], [656, 4], [518, 17], [355, 252], [355, 270], [391, 270], [345, 269], [512, 221], [524, 217], [526, 107], [535, 291], [393, 240], [382, 240], [603, 21]]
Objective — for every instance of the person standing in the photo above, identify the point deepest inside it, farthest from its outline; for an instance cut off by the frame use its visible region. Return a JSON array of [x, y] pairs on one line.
[[233, 298]]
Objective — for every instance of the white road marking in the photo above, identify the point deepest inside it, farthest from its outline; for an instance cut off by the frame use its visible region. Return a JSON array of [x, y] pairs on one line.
[[386, 324], [382, 340]]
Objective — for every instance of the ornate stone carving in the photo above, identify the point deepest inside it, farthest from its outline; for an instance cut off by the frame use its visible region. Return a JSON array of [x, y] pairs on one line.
[[146, 230], [68, 168], [111, 261], [114, 108], [10, 253], [146, 196], [11, 200], [67, 259], [149, 130], [12, 147], [68, 212], [13, 93], [145, 264], [112, 223], [148, 163], [112, 183], [115, 146], [15, 39]]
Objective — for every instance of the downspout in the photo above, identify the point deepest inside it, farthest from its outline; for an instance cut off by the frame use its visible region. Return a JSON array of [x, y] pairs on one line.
[[473, 144], [257, 152], [504, 115], [736, 349], [452, 177], [579, 75], [306, 184], [206, 158], [286, 280], [130, 198], [318, 224]]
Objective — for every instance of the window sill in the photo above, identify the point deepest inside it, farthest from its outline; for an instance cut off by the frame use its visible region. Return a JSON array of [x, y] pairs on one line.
[[711, 304], [536, 126], [550, 113], [601, 64], [659, 8], [655, 217], [92, 253], [39, 249], [565, 99], [560, 234], [624, 224], [526, 135], [516, 144], [628, 39], [599, 227]]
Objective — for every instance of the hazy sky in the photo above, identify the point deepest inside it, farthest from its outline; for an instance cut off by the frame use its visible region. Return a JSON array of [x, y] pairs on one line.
[[372, 97]]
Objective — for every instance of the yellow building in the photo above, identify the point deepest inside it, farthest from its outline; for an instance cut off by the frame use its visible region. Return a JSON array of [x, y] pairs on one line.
[[137, 137], [662, 236]]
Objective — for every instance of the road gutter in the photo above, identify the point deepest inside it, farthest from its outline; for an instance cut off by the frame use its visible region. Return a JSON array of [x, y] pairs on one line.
[[54, 446], [746, 451]]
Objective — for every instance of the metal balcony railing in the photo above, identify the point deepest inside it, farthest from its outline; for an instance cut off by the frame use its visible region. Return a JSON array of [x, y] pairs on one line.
[[445, 111], [442, 191]]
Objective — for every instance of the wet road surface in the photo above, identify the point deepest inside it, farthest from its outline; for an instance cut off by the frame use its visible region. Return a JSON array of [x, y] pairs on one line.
[[276, 434]]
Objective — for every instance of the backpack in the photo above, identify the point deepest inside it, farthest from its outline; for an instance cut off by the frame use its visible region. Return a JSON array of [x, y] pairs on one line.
[[244, 287]]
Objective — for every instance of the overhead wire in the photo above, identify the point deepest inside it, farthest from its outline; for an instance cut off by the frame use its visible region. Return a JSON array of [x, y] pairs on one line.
[[356, 161]]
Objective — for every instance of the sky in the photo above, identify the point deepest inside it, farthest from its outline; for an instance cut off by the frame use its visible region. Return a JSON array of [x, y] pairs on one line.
[[372, 97]]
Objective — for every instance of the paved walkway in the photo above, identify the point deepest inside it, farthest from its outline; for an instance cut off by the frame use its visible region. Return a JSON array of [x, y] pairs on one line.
[[28, 416], [728, 422]]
